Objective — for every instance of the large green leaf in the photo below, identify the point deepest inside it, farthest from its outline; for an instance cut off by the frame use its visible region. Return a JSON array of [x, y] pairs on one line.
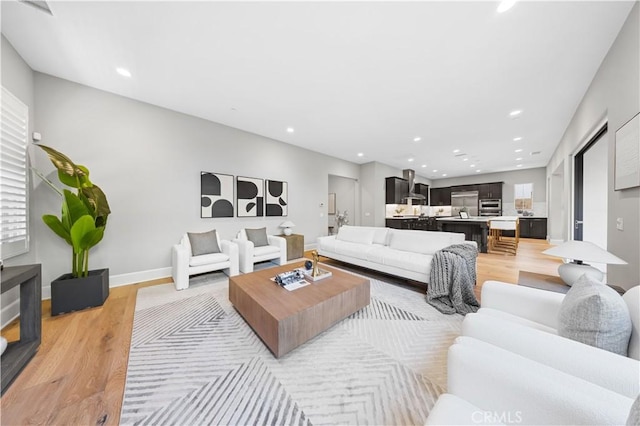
[[76, 208], [68, 172], [98, 200], [92, 238], [56, 226], [83, 226]]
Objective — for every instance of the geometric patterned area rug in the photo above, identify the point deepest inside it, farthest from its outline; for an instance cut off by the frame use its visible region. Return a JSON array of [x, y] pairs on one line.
[[194, 360]]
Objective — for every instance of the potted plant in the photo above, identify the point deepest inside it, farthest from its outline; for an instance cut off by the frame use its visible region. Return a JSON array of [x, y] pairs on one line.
[[81, 225]]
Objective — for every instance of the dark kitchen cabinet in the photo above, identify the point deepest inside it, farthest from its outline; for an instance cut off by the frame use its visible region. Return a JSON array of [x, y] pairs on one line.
[[440, 196], [533, 227], [395, 190], [393, 223], [490, 191], [422, 189]]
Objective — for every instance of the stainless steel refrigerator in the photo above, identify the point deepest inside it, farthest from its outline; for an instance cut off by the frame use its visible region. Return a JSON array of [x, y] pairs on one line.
[[464, 201]]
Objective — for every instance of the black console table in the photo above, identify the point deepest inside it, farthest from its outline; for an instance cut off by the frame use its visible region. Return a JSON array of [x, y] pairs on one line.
[[18, 354]]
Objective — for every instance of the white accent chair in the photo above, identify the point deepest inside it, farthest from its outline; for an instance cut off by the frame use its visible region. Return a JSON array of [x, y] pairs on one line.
[[249, 254], [185, 264], [511, 366]]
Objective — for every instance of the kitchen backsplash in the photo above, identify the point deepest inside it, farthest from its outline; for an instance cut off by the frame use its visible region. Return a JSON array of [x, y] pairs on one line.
[[539, 210]]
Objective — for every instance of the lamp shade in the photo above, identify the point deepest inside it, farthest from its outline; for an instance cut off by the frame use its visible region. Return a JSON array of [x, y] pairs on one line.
[[287, 225], [584, 251]]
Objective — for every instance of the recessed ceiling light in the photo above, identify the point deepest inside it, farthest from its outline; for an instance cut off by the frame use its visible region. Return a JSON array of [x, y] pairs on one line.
[[410, 160], [515, 113], [360, 154], [519, 165], [519, 159], [517, 139], [455, 151], [472, 165], [518, 150], [123, 72], [424, 165], [465, 159], [290, 130], [444, 174], [505, 5], [417, 139], [435, 171], [478, 171]]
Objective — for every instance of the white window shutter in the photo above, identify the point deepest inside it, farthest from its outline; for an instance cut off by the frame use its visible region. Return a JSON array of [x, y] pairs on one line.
[[14, 201]]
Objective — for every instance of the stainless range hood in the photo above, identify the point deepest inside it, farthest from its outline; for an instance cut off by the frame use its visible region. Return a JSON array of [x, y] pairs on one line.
[[410, 176]]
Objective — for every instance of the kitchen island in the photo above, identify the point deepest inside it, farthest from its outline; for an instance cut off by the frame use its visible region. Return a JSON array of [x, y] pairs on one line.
[[474, 228]]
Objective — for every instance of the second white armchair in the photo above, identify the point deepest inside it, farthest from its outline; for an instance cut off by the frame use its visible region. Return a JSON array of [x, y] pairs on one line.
[[254, 245]]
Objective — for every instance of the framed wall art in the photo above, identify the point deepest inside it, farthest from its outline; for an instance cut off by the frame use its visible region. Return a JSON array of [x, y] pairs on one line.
[[276, 198], [216, 195], [250, 198], [627, 163]]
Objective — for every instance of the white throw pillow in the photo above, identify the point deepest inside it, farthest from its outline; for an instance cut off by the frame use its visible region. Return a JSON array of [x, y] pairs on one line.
[[356, 234]]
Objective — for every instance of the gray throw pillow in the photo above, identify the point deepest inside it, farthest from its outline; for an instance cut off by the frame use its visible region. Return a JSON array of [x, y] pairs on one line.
[[203, 243], [257, 236], [595, 314]]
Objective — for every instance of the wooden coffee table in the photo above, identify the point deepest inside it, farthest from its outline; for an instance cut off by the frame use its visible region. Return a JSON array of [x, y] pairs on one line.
[[286, 319]]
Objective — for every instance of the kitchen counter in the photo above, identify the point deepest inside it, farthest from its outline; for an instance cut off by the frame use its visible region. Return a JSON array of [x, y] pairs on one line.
[[474, 228], [470, 219]]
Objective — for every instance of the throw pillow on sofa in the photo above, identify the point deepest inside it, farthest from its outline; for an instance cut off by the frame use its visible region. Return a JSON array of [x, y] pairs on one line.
[[257, 236], [204, 243], [594, 314]]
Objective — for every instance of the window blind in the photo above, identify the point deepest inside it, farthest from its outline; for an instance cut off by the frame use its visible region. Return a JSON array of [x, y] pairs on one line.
[[14, 217]]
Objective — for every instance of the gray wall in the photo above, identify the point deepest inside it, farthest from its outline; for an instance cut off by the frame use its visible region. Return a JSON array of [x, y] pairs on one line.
[[346, 198], [614, 97], [148, 161], [17, 77], [536, 176]]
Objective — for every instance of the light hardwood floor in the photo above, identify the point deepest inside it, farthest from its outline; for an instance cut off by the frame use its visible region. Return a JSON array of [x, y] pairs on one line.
[[78, 375]]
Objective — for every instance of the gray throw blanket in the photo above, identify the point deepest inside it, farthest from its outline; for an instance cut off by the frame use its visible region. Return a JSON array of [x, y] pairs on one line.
[[452, 278]]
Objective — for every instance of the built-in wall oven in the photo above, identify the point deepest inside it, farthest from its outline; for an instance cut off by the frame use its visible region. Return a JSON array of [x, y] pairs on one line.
[[490, 207]]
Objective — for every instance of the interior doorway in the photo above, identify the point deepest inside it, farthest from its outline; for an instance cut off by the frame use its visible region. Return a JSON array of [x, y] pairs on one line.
[[343, 198], [557, 207], [591, 166]]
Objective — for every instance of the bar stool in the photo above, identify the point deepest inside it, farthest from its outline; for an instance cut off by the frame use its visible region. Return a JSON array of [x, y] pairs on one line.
[[498, 243]]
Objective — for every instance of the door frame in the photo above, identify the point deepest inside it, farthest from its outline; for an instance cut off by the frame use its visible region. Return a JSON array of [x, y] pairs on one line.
[[577, 177]]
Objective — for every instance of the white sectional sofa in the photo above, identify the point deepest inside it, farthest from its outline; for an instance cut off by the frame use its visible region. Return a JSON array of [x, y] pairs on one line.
[[511, 366], [403, 253]]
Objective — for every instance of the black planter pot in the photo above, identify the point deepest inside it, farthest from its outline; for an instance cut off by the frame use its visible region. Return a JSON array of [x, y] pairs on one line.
[[70, 294]]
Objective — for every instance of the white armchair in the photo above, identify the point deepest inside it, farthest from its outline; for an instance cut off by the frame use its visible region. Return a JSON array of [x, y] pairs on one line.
[[248, 253], [185, 264], [510, 361]]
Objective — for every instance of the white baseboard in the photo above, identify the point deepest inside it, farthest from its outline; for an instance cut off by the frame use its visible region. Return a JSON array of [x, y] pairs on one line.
[[138, 277], [556, 242], [12, 311], [9, 313], [124, 279], [311, 246]]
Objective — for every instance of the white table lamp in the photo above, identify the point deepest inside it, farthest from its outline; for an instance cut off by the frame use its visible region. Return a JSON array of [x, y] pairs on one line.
[[580, 252], [287, 225]]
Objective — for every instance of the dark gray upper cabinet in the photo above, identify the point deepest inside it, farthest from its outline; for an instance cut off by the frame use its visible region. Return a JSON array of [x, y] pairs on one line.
[[395, 190], [490, 191], [422, 189], [441, 196]]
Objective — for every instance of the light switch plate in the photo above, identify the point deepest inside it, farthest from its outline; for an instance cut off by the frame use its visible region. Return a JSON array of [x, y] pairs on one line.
[[619, 224]]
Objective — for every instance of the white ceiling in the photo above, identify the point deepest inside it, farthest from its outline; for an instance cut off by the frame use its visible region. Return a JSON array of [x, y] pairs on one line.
[[348, 77]]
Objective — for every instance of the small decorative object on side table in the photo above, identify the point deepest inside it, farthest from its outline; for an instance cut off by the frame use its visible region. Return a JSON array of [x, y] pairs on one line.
[[295, 246]]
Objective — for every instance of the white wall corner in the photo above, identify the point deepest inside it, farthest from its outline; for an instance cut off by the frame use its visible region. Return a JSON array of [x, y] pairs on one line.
[[9, 313]]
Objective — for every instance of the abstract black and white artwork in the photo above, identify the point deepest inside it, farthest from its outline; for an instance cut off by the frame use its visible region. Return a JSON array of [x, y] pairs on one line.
[[276, 198], [250, 197], [216, 195]]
